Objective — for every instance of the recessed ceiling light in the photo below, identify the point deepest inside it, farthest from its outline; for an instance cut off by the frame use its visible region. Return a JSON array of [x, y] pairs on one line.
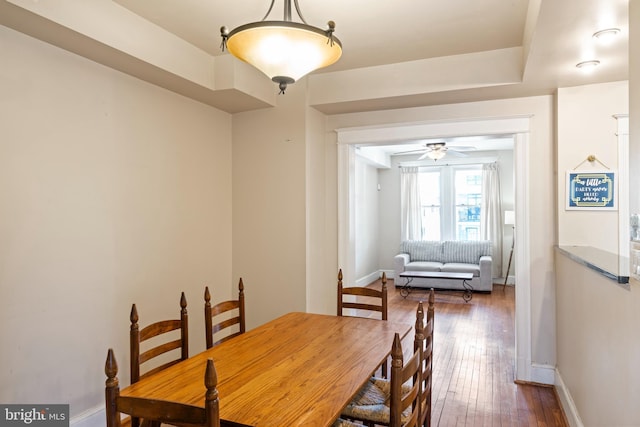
[[606, 34], [588, 65]]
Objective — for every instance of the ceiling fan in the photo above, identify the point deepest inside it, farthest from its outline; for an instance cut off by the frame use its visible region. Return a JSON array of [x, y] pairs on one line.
[[437, 150]]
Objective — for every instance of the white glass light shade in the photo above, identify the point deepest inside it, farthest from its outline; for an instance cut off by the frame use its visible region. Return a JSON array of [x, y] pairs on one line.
[[436, 154], [284, 51]]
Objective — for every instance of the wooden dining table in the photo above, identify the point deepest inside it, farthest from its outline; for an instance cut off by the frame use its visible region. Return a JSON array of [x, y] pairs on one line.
[[300, 369]]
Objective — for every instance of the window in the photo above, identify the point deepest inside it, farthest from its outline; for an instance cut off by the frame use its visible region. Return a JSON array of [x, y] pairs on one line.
[[451, 197]]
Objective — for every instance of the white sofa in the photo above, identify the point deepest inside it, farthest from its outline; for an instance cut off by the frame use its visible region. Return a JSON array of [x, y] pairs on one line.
[[446, 256]]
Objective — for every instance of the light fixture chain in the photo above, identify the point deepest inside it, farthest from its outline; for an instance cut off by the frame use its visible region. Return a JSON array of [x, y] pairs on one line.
[[298, 10], [269, 11]]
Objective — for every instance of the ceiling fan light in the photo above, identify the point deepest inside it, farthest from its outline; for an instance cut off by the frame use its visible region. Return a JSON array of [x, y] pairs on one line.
[[436, 154]]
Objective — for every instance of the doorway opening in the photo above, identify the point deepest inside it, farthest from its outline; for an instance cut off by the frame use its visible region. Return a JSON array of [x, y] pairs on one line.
[[348, 141]]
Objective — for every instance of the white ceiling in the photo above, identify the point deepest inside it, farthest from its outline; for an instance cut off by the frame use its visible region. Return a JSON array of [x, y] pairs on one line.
[[443, 52], [555, 34], [373, 33]]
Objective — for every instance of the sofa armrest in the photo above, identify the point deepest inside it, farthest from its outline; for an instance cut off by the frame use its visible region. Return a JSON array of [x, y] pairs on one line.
[[486, 273], [399, 263]]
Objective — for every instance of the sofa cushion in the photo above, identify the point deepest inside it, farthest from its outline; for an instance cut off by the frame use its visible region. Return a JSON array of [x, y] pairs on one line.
[[458, 267], [423, 266], [422, 250], [465, 251]]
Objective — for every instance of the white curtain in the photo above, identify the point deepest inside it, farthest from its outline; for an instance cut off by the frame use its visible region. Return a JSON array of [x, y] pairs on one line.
[[410, 202], [491, 214]]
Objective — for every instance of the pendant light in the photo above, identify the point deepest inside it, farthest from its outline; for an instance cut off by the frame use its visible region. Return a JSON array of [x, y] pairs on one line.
[[283, 50]]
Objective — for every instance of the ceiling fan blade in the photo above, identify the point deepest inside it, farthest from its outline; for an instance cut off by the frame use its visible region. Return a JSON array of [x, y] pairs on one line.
[[457, 153], [461, 148], [399, 153], [424, 155]]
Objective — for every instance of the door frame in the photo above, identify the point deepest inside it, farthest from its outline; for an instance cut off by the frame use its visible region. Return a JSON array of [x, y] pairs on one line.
[[519, 127]]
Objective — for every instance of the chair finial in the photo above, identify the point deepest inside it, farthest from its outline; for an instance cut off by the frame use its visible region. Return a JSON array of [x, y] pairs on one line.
[[133, 317], [111, 369], [432, 299], [419, 337], [211, 377], [111, 390], [183, 301], [396, 352]]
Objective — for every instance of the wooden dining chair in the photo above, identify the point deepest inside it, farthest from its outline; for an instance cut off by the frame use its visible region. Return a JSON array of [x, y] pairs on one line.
[[404, 410], [401, 408], [376, 393], [225, 314], [154, 355], [156, 412], [427, 365], [370, 300]]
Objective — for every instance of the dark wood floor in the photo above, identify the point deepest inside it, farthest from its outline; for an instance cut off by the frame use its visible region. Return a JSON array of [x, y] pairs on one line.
[[474, 360]]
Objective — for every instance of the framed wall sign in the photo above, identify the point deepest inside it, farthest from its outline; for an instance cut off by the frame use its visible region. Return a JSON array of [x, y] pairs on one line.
[[593, 190]]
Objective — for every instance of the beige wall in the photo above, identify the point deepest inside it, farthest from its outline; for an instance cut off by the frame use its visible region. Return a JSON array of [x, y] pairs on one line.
[[586, 126], [284, 208], [112, 191], [321, 213], [269, 206], [598, 349], [367, 222]]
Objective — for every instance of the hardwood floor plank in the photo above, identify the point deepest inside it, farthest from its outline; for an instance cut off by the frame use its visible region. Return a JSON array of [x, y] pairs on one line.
[[474, 362]]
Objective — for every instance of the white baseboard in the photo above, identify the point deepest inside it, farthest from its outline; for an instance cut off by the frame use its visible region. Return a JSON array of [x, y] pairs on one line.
[[567, 403], [511, 280], [543, 374], [94, 417], [369, 278], [372, 277]]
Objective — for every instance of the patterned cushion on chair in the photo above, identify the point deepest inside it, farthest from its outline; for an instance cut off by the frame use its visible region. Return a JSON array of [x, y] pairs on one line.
[[345, 423], [372, 402]]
